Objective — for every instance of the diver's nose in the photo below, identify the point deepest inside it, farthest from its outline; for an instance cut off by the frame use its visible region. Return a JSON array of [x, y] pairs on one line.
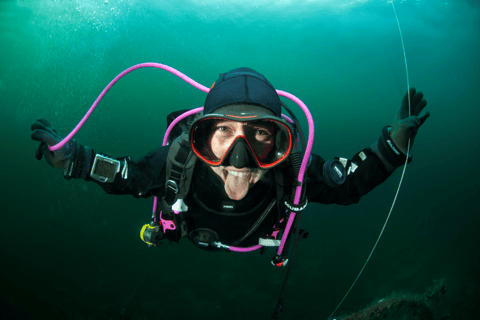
[[240, 157]]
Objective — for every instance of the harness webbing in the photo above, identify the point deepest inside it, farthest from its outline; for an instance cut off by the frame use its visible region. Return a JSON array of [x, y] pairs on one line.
[[257, 223]]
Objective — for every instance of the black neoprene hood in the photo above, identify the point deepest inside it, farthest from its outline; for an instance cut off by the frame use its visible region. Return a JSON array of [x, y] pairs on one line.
[[245, 86]]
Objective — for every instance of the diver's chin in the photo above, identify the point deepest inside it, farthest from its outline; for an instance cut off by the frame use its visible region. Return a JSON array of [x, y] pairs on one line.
[[238, 181]]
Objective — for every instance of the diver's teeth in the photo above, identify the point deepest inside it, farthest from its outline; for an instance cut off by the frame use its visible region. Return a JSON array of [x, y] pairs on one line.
[[238, 174]]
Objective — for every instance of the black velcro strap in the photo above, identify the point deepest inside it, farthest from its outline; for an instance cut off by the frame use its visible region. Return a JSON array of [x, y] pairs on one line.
[[388, 152], [82, 163]]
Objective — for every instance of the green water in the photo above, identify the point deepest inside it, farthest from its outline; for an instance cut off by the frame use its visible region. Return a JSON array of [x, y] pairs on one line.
[[70, 250]]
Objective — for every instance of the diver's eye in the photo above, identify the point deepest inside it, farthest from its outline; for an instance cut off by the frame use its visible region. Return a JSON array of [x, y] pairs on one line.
[[224, 130], [262, 133]]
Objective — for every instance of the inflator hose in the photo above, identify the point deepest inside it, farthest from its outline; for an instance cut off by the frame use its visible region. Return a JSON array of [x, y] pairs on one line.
[[299, 173]]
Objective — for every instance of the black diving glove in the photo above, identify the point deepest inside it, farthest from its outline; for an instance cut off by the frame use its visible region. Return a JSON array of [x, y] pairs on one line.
[[48, 136], [74, 159], [405, 126]]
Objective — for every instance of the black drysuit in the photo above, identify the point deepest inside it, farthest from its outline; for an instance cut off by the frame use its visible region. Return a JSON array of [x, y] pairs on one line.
[[206, 197]]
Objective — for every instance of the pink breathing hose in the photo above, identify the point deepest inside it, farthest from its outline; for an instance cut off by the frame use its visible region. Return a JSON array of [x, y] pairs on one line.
[[303, 166]]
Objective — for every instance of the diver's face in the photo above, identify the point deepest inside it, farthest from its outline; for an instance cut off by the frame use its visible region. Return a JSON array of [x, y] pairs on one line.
[[260, 136]]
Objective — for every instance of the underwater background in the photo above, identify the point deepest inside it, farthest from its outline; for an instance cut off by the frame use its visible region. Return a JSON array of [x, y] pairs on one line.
[[69, 250]]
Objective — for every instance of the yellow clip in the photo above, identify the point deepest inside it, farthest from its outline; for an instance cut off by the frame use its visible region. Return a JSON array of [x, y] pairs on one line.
[[143, 231]]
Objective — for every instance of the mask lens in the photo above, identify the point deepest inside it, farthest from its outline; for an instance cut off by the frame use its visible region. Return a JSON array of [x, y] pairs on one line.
[[269, 140]]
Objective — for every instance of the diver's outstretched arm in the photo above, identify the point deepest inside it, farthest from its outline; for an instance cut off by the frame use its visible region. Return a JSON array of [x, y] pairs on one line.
[[141, 178]]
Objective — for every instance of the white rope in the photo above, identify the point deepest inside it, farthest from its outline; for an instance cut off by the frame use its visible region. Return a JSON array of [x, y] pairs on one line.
[[403, 173]]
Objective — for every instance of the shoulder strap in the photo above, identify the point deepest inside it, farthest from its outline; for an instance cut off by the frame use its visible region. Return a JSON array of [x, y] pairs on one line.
[[179, 170]]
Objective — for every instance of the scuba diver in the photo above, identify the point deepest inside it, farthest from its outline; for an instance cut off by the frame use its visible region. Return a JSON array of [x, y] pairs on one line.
[[244, 146], [225, 177]]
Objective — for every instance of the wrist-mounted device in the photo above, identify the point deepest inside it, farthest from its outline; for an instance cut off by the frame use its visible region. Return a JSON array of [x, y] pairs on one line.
[[104, 169]]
